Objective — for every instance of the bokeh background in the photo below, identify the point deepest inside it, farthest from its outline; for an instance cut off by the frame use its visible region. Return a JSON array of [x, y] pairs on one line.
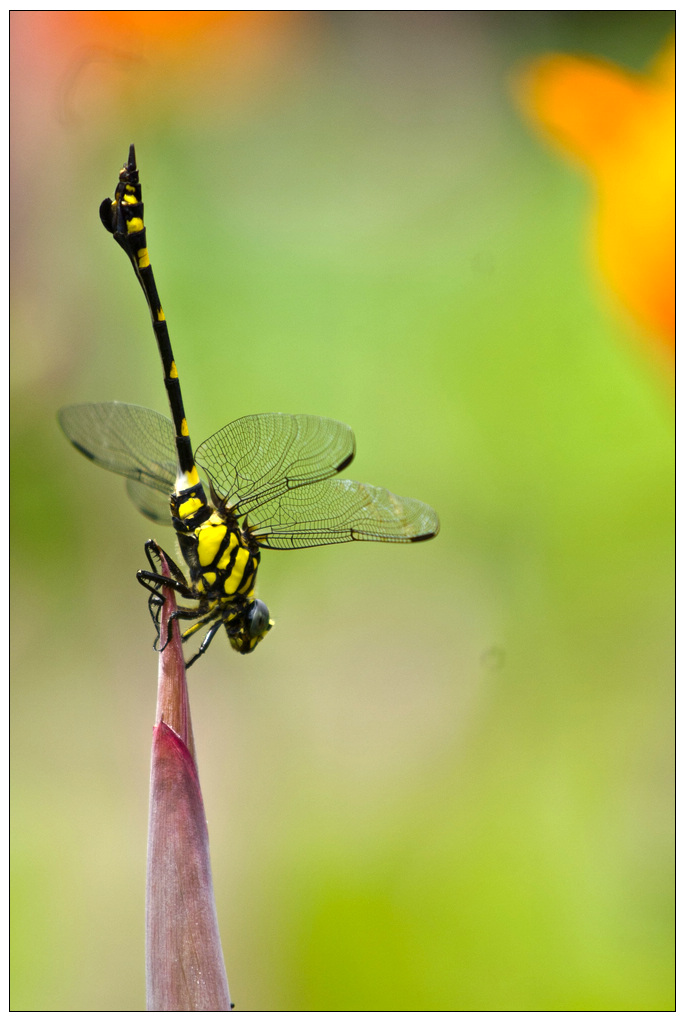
[[444, 780]]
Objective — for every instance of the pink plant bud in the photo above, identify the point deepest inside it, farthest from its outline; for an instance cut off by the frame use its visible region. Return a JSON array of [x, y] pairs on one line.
[[184, 961]]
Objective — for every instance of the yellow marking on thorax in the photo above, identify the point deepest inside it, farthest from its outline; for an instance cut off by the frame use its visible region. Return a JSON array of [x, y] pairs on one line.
[[209, 539], [247, 585], [189, 507], [226, 555], [134, 225], [235, 578], [209, 578], [143, 258], [173, 372]]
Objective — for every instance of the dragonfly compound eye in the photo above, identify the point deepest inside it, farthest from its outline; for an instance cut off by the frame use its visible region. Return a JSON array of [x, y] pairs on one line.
[[258, 623]]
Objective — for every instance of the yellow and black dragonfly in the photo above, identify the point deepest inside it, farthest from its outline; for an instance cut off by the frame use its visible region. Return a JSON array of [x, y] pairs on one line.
[[261, 482]]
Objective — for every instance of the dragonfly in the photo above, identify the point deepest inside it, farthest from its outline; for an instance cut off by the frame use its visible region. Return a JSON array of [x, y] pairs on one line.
[[266, 481]]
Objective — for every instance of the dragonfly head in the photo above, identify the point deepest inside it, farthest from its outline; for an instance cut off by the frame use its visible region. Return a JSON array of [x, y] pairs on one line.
[[249, 626]]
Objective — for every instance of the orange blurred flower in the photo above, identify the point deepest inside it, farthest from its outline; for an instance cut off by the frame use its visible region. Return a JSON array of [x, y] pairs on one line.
[[105, 67], [621, 126], [176, 31]]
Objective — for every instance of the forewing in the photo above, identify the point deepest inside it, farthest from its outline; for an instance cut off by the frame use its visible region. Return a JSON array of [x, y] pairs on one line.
[[339, 511], [130, 440], [259, 458]]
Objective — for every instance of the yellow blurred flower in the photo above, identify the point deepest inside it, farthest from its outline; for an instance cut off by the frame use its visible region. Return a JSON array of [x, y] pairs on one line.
[[621, 127]]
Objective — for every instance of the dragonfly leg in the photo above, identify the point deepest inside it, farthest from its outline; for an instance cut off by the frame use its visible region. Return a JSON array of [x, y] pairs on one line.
[[187, 614], [184, 614], [153, 581], [152, 548], [204, 645]]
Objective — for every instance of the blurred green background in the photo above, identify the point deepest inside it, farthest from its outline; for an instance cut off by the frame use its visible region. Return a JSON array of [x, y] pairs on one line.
[[444, 781]]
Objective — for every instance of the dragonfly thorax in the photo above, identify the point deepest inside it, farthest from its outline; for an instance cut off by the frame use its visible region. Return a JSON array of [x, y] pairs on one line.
[[222, 559]]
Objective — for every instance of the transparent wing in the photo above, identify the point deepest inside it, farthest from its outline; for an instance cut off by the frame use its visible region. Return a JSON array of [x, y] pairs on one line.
[[130, 440], [338, 511], [259, 458], [151, 503], [273, 468]]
